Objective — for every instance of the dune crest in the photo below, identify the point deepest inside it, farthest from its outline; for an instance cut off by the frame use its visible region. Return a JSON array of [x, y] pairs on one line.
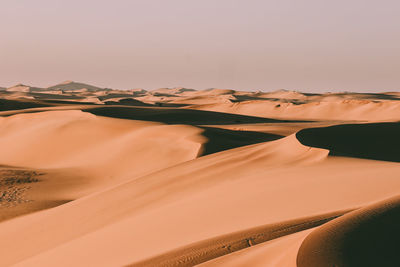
[[93, 176], [365, 237]]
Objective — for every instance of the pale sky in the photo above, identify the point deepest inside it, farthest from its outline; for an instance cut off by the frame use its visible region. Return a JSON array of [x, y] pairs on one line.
[[305, 45]]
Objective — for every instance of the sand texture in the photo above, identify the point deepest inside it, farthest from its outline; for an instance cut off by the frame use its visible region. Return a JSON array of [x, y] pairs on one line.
[[182, 177]]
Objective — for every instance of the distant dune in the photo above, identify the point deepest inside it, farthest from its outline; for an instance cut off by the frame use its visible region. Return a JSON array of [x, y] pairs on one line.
[[94, 176]]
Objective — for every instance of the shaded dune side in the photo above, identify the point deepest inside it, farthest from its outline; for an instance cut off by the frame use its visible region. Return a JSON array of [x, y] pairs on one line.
[[366, 237], [176, 116], [127, 102], [378, 141], [223, 139], [56, 96], [209, 249], [6, 104], [26, 105]]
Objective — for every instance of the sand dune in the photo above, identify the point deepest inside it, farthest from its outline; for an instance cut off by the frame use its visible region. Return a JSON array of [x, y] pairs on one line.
[[179, 177], [25, 190], [90, 146], [216, 247], [355, 110], [84, 140], [23, 88], [281, 104], [365, 237], [130, 213], [280, 252]]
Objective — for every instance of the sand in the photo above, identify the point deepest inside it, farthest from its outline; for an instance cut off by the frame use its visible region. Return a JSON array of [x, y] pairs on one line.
[[179, 177]]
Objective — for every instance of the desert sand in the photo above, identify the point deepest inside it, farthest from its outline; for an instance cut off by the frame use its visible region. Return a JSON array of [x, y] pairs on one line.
[[94, 176]]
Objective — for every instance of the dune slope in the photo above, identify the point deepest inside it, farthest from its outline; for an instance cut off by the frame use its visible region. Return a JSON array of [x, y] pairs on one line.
[[149, 209], [365, 237], [178, 177]]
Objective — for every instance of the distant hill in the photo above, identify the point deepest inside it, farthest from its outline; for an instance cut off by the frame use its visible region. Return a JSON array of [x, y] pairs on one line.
[[74, 86]]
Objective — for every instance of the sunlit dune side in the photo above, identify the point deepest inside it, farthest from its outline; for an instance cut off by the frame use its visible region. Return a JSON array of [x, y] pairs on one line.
[[25, 190], [22, 88], [294, 105], [350, 110], [98, 151], [57, 142], [94, 176], [281, 252], [61, 139], [206, 250], [248, 181]]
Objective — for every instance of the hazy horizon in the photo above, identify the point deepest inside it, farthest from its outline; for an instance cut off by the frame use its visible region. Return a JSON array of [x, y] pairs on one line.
[[309, 46]]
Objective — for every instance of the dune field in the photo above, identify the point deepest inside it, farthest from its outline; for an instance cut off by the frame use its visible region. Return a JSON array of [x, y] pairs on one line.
[[94, 176]]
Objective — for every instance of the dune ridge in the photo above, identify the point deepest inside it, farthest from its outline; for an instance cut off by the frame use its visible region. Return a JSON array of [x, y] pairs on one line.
[[94, 176], [364, 237], [206, 250], [124, 192]]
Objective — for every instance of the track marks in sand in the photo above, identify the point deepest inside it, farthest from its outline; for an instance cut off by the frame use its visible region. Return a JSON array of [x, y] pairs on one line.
[[14, 184], [209, 249], [24, 191]]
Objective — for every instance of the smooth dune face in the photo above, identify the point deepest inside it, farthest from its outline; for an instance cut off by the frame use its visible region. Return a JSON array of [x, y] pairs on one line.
[[179, 177], [365, 237], [66, 139]]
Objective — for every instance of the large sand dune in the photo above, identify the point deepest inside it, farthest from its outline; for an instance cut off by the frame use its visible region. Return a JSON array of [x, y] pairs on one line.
[[179, 177]]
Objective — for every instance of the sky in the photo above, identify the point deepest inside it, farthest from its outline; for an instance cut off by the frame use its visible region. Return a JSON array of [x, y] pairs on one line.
[[307, 45]]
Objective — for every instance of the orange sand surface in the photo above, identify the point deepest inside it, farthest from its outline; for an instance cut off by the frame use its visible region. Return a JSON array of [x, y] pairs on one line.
[[179, 177]]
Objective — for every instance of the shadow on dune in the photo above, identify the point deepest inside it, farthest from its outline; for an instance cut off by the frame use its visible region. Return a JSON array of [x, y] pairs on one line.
[[109, 96], [127, 102], [177, 116], [218, 139], [44, 96], [378, 141], [241, 98], [366, 237], [6, 104], [223, 139], [66, 102], [170, 105]]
